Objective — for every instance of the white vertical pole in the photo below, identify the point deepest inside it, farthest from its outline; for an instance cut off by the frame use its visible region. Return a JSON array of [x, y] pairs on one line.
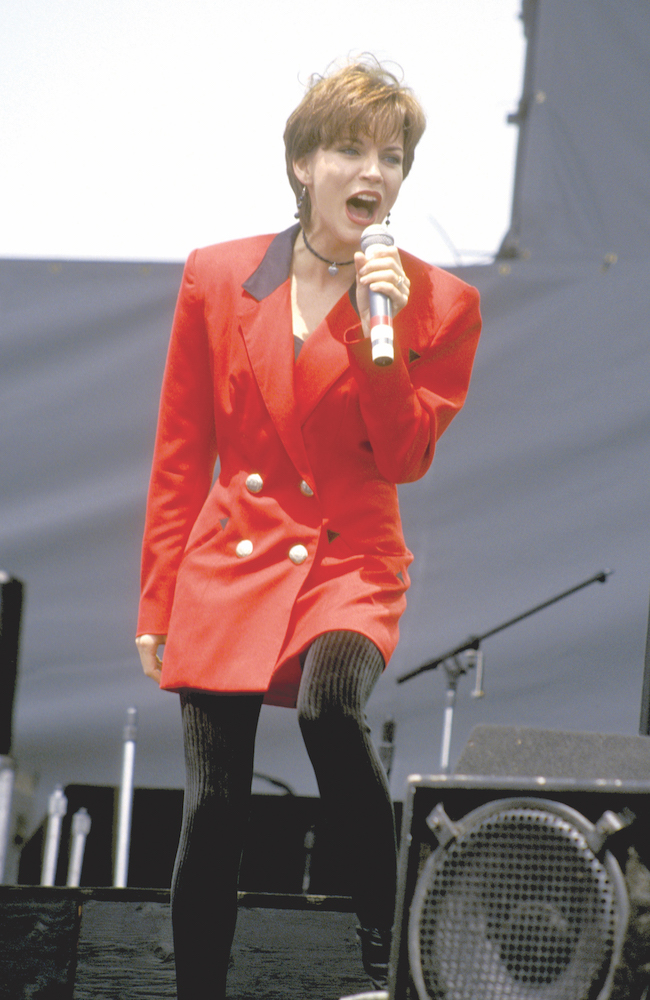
[[446, 729], [81, 824], [6, 797], [57, 808], [121, 870]]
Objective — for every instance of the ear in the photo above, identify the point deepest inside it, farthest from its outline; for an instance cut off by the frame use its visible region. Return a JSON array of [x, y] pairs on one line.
[[302, 170]]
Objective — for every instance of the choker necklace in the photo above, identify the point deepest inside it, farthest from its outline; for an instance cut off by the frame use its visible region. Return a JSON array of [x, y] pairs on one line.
[[332, 265]]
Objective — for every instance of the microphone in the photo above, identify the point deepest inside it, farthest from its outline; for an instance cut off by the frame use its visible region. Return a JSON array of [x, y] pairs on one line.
[[373, 239]]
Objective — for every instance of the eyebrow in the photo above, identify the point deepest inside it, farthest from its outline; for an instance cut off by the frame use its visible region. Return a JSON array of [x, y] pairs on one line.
[[358, 141]]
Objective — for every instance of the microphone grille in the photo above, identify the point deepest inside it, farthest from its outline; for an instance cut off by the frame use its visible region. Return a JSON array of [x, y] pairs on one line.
[[372, 235]]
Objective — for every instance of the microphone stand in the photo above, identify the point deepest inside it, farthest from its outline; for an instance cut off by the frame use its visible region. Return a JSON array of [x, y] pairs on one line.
[[473, 657], [125, 803]]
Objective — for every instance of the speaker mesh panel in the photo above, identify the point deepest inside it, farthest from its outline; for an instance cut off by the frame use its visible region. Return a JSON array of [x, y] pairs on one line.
[[515, 906]]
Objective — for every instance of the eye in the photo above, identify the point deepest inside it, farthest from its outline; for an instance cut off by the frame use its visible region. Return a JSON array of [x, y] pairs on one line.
[[395, 159], [349, 150]]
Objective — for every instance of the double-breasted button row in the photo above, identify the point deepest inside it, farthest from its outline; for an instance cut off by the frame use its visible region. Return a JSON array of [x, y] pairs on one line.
[[297, 553], [255, 484]]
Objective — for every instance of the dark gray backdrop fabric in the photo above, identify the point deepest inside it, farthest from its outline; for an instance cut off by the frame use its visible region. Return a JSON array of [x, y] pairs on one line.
[[583, 185], [540, 482]]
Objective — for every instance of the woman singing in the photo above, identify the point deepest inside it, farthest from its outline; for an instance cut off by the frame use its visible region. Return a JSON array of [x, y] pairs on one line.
[[284, 581]]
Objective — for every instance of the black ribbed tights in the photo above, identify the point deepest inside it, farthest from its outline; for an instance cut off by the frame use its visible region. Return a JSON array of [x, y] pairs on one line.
[[340, 670]]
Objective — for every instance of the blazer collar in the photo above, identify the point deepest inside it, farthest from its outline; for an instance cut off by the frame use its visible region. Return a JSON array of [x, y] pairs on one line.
[[275, 266]]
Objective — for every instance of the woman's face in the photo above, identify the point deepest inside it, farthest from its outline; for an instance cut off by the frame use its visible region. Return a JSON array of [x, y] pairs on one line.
[[352, 184]]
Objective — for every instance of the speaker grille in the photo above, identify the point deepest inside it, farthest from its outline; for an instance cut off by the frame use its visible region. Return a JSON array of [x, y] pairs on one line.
[[516, 905]]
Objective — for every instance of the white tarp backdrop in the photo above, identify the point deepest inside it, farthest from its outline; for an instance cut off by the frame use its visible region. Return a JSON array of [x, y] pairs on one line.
[[541, 482]]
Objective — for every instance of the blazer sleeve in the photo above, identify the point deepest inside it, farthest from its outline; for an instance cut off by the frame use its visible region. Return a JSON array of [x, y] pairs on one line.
[[407, 405], [185, 454]]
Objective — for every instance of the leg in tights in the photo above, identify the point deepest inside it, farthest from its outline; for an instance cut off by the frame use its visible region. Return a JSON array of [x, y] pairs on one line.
[[339, 673], [219, 738]]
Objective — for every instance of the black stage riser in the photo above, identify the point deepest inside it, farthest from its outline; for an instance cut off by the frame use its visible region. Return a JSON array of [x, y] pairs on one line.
[[275, 853]]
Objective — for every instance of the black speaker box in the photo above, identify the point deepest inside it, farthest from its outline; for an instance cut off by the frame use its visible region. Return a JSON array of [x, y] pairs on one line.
[[11, 602], [518, 885]]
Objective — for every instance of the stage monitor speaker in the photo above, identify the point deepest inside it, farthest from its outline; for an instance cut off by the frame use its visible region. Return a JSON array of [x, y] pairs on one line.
[[528, 888], [527, 752]]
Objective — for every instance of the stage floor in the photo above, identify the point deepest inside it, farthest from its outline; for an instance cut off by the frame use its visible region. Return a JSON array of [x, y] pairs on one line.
[[110, 944]]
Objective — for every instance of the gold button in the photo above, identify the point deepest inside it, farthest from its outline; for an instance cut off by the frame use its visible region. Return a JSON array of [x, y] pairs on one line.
[[298, 554], [306, 489], [254, 483], [244, 548]]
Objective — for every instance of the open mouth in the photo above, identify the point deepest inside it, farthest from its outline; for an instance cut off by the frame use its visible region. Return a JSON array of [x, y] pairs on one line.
[[362, 208]]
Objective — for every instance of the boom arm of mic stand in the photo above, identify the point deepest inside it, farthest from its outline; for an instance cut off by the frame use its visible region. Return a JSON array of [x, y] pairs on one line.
[[475, 641], [472, 643]]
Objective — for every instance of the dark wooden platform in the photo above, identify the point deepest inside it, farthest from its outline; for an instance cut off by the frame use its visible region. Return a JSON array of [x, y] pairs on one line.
[[113, 944]]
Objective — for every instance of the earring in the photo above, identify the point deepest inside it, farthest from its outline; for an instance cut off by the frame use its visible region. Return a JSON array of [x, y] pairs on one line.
[[296, 214], [387, 220]]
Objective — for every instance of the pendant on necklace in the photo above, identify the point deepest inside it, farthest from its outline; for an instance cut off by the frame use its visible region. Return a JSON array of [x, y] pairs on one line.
[[333, 269]]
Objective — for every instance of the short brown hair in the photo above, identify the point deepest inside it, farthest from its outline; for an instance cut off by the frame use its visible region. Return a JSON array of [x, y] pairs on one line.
[[361, 97]]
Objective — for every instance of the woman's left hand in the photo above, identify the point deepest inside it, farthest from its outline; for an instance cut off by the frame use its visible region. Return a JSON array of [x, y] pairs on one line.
[[148, 646], [382, 273]]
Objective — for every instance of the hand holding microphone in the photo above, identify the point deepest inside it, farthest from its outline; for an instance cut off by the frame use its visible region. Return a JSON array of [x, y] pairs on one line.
[[374, 240]]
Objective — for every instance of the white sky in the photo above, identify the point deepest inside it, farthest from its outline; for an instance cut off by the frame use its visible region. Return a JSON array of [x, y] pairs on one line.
[[139, 129]]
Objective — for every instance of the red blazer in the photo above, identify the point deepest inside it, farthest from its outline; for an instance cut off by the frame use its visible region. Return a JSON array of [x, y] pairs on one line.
[[301, 533]]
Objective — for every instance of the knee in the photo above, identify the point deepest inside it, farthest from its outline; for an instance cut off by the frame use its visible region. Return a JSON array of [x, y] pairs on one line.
[[316, 714], [326, 704], [332, 723]]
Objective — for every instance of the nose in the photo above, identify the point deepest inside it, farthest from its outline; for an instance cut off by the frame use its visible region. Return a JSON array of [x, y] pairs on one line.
[[370, 165]]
